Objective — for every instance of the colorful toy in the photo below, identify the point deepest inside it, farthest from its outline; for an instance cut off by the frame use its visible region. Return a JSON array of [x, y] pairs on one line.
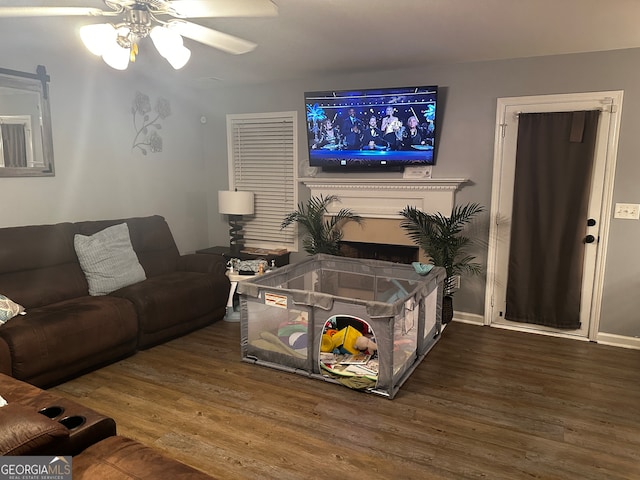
[[342, 341], [366, 344]]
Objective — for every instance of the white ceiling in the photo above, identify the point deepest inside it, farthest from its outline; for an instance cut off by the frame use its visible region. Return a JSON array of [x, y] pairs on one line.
[[326, 36]]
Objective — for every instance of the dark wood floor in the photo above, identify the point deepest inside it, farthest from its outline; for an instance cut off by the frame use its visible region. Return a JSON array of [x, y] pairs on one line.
[[485, 403]]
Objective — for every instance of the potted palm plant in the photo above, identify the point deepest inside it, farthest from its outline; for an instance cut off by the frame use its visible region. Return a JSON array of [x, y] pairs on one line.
[[323, 232], [441, 239]]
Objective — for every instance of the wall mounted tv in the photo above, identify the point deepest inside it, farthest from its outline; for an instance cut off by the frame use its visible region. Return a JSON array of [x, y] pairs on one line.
[[384, 128]]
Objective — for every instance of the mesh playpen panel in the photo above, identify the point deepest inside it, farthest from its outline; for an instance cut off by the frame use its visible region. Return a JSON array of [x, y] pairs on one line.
[[294, 318]]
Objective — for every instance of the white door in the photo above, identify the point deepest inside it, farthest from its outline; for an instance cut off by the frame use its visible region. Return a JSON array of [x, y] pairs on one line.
[[610, 104]]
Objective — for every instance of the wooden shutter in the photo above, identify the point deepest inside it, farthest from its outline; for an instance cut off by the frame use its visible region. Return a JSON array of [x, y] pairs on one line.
[[263, 159]]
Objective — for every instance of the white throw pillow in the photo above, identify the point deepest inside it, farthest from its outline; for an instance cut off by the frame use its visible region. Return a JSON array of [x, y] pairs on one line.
[[108, 259]]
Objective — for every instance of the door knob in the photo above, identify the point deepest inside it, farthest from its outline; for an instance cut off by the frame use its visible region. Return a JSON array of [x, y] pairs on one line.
[[589, 239], [591, 222]]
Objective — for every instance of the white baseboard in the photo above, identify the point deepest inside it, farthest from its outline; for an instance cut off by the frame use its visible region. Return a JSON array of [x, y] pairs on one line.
[[472, 318], [603, 338], [619, 340]]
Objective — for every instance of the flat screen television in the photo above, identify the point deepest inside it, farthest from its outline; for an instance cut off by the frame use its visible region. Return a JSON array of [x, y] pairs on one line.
[[375, 129]]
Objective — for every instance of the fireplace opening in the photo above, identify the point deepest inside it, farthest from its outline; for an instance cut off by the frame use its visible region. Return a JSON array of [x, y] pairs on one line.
[[380, 251]]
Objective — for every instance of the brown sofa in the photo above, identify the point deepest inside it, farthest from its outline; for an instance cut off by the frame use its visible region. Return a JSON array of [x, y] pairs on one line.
[[66, 332], [36, 422]]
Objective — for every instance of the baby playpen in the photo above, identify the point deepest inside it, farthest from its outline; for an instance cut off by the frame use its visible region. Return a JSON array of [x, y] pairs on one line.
[[308, 318]]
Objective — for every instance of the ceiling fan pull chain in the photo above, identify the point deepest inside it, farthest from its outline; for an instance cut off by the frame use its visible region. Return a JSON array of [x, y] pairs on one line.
[[134, 52]]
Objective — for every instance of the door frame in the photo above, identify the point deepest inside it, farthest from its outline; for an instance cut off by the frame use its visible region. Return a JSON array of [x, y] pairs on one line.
[[611, 102]]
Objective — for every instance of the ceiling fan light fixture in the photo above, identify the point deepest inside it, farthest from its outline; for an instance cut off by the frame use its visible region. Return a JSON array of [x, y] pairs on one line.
[[134, 20], [179, 57], [98, 37], [117, 57], [165, 40], [169, 44]]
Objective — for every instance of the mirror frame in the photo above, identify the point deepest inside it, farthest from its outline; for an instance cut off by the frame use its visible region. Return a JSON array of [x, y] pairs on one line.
[[33, 82]]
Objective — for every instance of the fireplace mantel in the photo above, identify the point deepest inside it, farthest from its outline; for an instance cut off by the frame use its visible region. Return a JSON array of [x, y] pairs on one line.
[[385, 198]]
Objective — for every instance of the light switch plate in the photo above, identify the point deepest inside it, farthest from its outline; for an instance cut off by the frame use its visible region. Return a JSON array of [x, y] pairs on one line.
[[630, 211]]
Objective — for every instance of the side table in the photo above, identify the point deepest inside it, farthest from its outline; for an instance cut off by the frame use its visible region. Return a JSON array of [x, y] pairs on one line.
[[232, 314], [279, 260]]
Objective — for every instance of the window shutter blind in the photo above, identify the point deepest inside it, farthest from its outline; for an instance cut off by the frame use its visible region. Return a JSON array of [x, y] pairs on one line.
[[263, 159]]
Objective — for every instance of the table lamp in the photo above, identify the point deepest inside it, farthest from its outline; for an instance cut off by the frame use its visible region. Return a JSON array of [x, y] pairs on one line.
[[235, 204]]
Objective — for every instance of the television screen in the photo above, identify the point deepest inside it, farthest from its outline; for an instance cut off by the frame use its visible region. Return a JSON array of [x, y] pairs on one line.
[[375, 128]]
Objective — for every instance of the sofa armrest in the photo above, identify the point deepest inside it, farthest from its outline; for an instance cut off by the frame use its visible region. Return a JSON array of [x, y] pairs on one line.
[[203, 263], [125, 459], [26, 432]]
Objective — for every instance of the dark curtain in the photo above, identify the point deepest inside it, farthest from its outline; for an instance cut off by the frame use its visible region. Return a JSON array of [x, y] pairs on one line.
[[14, 145], [554, 163]]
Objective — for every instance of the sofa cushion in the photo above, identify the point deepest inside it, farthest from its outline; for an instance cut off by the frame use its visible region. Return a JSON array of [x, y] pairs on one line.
[[8, 309], [64, 339], [25, 432], [108, 260], [154, 243], [175, 303], [39, 266]]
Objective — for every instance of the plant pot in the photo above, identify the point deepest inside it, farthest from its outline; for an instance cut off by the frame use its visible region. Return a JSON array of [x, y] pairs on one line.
[[447, 309]]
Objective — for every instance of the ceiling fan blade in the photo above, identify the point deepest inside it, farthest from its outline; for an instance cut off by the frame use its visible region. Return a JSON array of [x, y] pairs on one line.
[[213, 38], [49, 11], [223, 8]]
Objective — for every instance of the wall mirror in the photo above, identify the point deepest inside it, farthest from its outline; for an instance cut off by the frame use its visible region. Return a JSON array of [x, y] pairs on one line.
[[26, 142]]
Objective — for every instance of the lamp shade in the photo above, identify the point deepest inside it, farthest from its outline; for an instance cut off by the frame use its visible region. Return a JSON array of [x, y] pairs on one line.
[[179, 57], [98, 37], [235, 203], [117, 57], [165, 40], [170, 45]]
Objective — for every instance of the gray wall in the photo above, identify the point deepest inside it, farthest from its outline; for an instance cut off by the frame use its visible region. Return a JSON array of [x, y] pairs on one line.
[[98, 174], [469, 94]]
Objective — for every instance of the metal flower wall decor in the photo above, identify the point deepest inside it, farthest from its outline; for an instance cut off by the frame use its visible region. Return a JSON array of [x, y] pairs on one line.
[[146, 122]]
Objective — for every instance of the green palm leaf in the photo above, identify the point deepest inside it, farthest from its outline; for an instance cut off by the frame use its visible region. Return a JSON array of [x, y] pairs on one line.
[[441, 239], [322, 232]]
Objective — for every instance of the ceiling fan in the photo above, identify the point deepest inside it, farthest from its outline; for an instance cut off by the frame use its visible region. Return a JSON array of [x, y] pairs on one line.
[[164, 21]]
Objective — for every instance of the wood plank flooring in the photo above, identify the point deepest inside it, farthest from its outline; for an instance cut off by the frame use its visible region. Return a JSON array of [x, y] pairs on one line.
[[485, 403]]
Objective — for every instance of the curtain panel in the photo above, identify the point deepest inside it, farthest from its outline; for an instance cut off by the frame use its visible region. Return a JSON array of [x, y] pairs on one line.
[[554, 164], [14, 145]]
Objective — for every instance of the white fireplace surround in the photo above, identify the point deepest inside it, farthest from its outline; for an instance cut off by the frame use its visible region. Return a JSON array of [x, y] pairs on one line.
[[385, 198]]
